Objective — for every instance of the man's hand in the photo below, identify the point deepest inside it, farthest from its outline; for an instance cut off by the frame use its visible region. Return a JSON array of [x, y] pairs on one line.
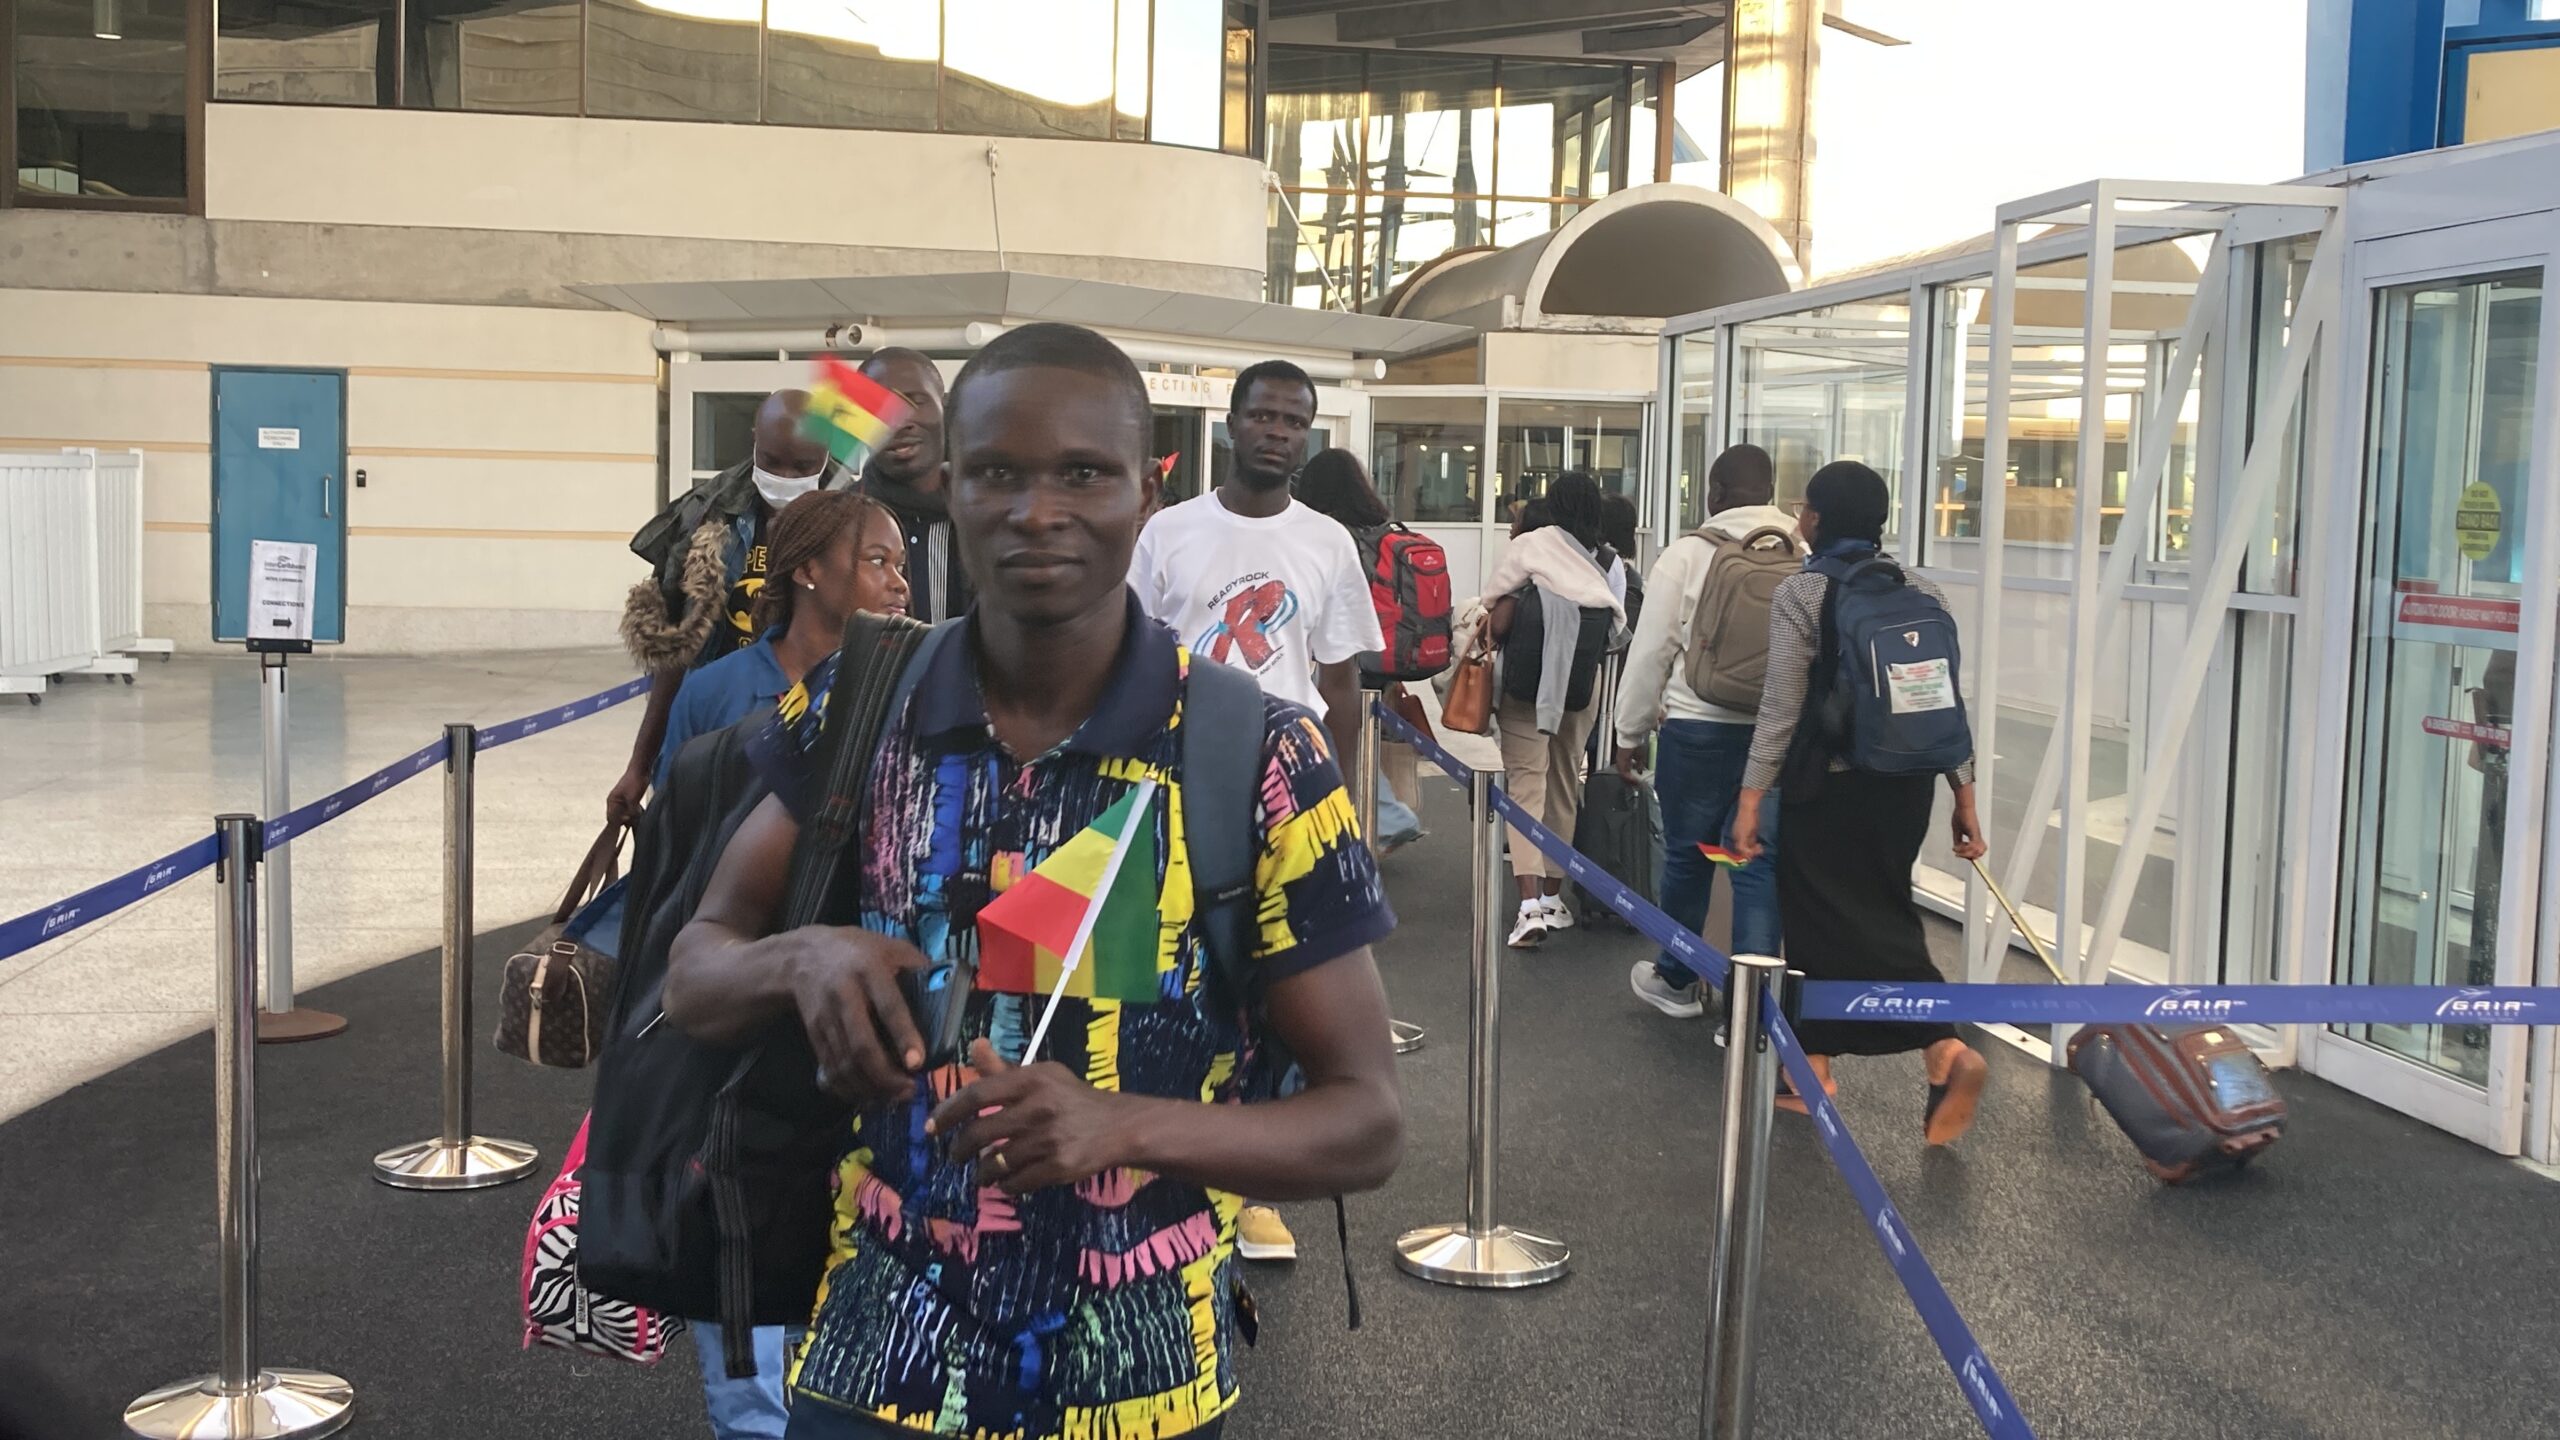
[[1966, 827], [844, 982], [1744, 841], [1626, 763], [1031, 1127], [622, 802]]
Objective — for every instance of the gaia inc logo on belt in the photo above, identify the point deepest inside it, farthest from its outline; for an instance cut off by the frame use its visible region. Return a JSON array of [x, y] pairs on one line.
[[1888, 1000], [157, 876], [1977, 1381], [2475, 1005], [1891, 1235], [59, 920], [2181, 1004]]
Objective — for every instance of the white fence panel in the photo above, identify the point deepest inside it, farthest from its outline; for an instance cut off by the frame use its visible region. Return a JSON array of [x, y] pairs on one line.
[[119, 550], [48, 567]]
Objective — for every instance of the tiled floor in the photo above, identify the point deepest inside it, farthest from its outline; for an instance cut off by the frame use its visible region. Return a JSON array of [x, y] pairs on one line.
[[103, 777]]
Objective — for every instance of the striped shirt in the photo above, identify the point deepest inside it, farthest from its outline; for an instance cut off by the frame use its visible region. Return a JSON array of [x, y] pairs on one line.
[[1795, 645]]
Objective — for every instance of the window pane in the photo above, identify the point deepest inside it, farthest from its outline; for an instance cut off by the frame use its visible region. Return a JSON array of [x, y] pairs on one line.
[[304, 56], [724, 428], [1014, 69], [1431, 126], [1313, 140], [1822, 386], [870, 66], [1556, 125], [1176, 437], [1427, 456], [104, 118], [1318, 249], [1190, 60], [1129, 73], [1235, 125], [1697, 432], [1542, 439], [700, 63], [493, 55]]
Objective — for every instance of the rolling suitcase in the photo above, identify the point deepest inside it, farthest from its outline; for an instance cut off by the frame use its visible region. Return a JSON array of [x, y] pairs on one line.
[[1620, 825], [2193, 1099]]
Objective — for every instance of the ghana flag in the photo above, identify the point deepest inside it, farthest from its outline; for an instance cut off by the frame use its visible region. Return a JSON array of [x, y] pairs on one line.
[[1083, 922], [849, 412]]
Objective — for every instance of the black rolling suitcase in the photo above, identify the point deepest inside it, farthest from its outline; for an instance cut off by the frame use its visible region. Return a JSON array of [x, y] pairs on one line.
[[2193, 1099], [1620, 827]]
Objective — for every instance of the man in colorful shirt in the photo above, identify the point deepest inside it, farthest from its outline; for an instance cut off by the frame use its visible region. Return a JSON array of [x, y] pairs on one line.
[[1043, 1246]]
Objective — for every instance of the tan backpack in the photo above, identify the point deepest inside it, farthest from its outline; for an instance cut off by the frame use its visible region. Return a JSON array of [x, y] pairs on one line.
[[1728, 659]]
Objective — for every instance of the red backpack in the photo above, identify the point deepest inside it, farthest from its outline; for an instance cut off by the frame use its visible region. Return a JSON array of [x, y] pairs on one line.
[[1409, 583]]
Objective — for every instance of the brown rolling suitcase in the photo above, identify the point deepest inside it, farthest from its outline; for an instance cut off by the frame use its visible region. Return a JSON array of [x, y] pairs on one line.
[[2193, 1099]]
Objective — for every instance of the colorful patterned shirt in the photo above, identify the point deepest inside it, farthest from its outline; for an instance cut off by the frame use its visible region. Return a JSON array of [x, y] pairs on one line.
[[1103, 1309]]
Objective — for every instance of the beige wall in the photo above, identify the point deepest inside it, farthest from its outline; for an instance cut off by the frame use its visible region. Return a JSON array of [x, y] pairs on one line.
[[1525, 360], [509, 453], [766, 183]]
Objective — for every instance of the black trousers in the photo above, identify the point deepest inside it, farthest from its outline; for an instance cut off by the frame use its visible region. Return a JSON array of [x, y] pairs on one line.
[[1844, 898]]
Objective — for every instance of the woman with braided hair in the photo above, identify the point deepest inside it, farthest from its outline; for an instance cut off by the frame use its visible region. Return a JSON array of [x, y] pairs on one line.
[[830, 553]]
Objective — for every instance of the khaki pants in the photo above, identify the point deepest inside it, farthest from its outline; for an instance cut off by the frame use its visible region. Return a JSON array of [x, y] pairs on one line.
[[1543, 774]]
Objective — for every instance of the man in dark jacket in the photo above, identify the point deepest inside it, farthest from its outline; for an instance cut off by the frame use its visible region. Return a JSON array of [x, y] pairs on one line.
[[707, 557], [906, 475]]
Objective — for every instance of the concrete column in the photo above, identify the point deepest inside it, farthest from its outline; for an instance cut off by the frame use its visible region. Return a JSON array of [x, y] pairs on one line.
[[1773, 49]]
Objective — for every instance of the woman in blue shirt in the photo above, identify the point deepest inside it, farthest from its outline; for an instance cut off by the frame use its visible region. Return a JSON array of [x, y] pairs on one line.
[[833, 552]]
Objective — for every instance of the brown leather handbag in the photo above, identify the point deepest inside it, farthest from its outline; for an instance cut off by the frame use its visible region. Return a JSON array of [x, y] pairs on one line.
[[1469, 707], [557, 993]]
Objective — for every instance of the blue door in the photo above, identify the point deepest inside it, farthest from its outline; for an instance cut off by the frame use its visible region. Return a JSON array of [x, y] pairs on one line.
[[279, 473]]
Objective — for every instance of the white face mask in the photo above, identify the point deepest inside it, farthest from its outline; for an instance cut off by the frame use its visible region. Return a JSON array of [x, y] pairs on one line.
[[781, 490]]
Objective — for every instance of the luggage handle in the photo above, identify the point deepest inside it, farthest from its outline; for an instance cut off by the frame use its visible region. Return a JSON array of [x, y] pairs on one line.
[[601, 867], [2026, 933]]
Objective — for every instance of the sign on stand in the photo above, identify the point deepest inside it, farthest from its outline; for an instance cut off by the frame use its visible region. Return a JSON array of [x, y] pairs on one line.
[[284, 582]]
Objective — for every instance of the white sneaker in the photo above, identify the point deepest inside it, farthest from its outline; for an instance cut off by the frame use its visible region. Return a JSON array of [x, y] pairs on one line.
[[1680, 1003], [1531, 931], [1559, 914]]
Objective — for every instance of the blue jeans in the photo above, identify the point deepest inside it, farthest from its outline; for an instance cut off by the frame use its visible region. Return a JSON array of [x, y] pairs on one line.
[[749, 1409], [1396, 820], [1698, 771]]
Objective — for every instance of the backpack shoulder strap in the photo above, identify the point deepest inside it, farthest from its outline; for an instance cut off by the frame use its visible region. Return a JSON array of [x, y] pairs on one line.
[[876, 671], [1222, 732]]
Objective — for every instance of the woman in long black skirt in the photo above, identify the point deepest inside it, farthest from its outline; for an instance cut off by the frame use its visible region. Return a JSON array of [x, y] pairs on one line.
[[1850, 837]]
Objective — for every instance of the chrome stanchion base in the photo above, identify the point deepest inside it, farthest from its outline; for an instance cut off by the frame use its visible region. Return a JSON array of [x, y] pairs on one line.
[[280, 1404], [1499, 1259], [1406, 1036], [475, 1164], [287, 1027]]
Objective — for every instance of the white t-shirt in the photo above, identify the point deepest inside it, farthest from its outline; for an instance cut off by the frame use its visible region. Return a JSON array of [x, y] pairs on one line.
[[1278, 597]]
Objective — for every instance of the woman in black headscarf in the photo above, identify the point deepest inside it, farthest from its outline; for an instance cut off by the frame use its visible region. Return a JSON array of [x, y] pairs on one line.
[[1844, 875]]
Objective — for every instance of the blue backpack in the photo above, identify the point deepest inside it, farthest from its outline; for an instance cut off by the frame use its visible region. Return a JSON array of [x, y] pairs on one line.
[[1894, 704]]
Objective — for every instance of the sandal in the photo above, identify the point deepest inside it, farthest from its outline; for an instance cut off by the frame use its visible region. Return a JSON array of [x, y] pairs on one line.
[[1953, 1101]]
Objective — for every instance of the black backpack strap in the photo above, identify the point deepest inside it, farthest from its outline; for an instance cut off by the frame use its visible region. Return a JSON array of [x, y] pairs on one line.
[[1222, 734], [876, 672]]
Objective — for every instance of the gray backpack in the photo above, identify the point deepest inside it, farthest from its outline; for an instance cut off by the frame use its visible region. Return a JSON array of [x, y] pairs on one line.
[[1728, 660]]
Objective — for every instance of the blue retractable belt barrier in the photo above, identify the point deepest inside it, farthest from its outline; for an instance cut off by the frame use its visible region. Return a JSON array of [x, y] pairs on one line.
[[1975, 1377], [101, 900], [2184, 1004], [490, 737], [98, 901]]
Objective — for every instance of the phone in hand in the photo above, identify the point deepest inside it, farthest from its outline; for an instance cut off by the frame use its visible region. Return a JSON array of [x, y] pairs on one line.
[[938, 1001]]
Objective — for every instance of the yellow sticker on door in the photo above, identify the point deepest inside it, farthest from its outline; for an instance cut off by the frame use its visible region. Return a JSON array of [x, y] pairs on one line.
[[1920, 685]]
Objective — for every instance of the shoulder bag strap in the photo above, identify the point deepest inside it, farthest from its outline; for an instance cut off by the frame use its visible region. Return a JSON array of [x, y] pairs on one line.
[[1222, 730], [875, 673], [602, 863]]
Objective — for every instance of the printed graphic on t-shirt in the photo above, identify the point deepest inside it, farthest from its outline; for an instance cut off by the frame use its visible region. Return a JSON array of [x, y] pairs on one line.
[[742, 595], [1249, 616]]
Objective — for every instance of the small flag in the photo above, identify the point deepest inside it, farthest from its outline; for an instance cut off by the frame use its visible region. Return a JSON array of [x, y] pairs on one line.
[[1164, 467], [1721, 856], [849, 412], [1083, 922]]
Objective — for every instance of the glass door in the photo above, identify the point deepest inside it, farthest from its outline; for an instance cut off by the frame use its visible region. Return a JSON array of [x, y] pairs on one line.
[[2427, 894]]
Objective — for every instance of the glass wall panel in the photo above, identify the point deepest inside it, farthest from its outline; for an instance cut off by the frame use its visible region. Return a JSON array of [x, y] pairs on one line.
[[1427, 456], [1557, 122], [1822, 386], [102, 98], [508, 55], [1177, 438], [295, 54], [1015, 69], [701, 63], [1538, 440], [1189, 93], [869, 66], [1131, 71], [1429, 161], [1695, 362]]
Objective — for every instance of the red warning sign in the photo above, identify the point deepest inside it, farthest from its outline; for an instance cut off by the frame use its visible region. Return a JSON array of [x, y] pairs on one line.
[[2472, 731], [2461, 612]]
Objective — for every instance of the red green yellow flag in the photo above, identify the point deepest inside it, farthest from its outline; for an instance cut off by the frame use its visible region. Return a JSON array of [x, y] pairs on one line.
[[849, 412], [1083, 922]]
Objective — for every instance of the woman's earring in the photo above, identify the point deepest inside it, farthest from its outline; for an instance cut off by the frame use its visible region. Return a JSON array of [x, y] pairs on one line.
[[808, 585]]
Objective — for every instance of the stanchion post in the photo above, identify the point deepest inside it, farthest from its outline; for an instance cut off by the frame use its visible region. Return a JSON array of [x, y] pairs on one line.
[[1480, 1251], [1404, 1035], [1742, 1199], [280, 1019], [456, 1159], [239, 1401]]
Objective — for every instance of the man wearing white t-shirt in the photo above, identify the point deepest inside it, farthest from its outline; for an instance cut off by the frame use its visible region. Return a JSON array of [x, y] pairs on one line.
[[1247, 576]]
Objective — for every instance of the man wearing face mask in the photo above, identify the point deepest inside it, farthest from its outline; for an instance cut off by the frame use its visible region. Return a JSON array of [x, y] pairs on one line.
[[906, 476], [707, 553]]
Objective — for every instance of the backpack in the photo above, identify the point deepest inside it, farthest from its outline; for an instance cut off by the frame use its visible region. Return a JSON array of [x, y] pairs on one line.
[[1728, 660], [1893, 703], [1409, 583], [1524, 650]]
